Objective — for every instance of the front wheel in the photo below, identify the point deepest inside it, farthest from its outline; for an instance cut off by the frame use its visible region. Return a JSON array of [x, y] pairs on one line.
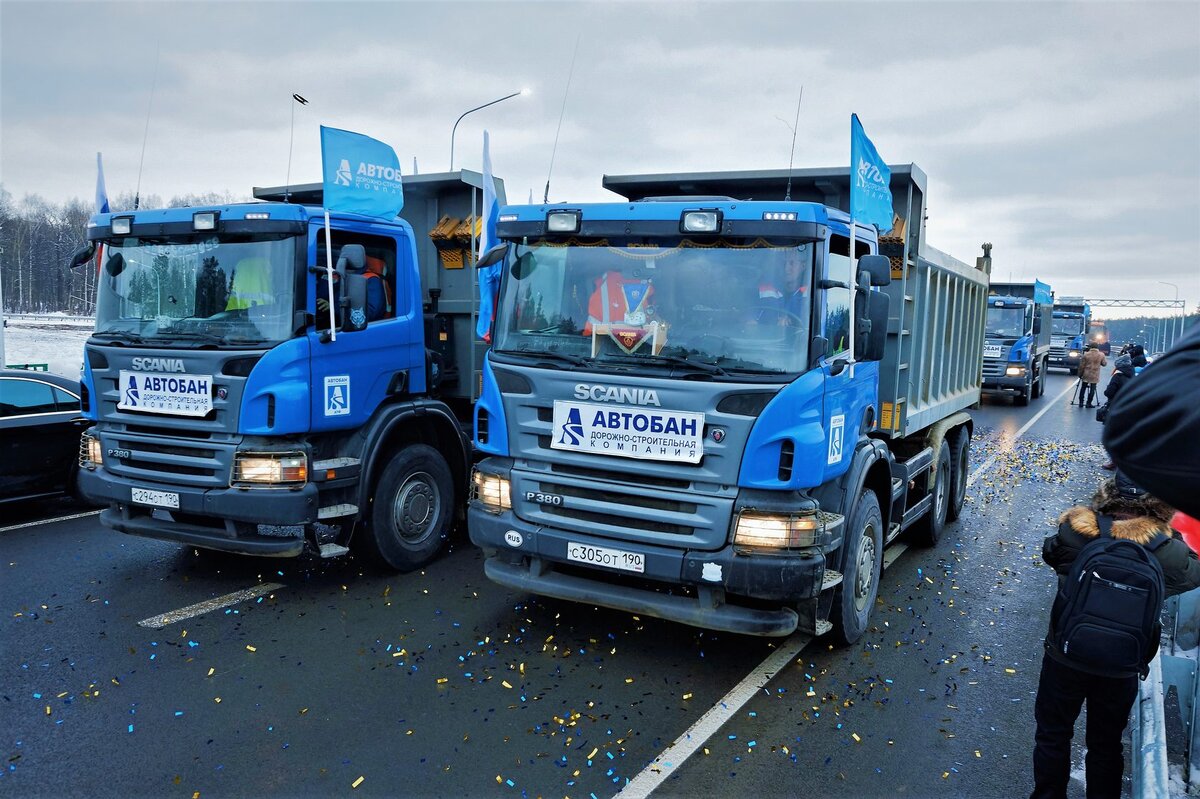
[[412, 509], [864, 563]]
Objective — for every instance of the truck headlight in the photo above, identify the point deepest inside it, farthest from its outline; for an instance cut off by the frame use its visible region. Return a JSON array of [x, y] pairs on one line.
[[1014, 371], [1073, 353], [270, 468], [493, 491], [776, 530], [90, 454]]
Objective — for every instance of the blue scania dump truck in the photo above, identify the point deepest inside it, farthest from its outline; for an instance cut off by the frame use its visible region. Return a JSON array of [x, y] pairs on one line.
[[672, 419], [1069, 325], [228, 416], [1016, 355]]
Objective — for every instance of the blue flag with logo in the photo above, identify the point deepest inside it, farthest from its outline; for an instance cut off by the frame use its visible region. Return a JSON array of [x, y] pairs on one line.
[[489, 277], [870, 181], [101, 192], [361, 175]]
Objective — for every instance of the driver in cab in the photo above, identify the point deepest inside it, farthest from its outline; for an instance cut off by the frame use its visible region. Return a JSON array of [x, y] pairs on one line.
[[783, 300]]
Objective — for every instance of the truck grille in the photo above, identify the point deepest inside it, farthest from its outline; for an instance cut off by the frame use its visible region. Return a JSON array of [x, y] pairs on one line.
[[157, 459], [627, 510], [994, 367]]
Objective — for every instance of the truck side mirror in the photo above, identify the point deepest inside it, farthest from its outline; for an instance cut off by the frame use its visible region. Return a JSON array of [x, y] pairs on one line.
[[354, 299], [875, 340], [818, 350], [83, 255], [493, 256], [879, 267], [115, 264], [353, 258], [1037, 324]]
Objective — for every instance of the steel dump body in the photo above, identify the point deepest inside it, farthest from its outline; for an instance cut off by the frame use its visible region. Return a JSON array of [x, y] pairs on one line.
[[932, 363]]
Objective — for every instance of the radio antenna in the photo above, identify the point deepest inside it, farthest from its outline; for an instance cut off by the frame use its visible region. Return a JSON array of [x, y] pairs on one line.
[[137, 193], [287, 185], [561, 113], [792, 155]]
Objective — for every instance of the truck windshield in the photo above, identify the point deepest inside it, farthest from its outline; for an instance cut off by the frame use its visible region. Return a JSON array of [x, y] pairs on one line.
[[1006, 322], [719, 306], [1067, 326], [233, 290]]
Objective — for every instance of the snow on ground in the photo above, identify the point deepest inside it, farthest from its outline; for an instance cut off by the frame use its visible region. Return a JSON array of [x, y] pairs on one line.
[[57, 343]]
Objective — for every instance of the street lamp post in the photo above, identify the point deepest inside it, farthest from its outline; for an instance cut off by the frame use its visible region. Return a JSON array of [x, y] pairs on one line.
[[454, 130], [1173, 333]]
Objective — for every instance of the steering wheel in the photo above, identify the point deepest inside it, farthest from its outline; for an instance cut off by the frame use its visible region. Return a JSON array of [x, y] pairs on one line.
[[793, 319]]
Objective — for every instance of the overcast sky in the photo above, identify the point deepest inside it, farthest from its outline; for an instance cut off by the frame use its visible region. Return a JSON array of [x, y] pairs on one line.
[[1066, 135]]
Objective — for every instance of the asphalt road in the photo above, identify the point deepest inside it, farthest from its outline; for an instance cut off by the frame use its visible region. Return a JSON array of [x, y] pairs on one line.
[[441, 683]]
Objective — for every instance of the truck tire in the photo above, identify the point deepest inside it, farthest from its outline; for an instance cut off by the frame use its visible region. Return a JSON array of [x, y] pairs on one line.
[[855, 597], [960, 462], [926, 531], [1022, 399], [411, 509], [1039, 380]]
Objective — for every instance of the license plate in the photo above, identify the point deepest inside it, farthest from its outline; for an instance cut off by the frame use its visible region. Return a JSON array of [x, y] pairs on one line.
[[607, 558], [992, 350], [158, 499]]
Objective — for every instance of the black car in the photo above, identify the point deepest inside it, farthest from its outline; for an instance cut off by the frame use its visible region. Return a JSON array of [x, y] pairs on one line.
[[40, 425]]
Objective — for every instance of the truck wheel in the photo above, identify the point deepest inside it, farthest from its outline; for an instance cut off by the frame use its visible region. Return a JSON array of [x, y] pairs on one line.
[[928, 529], [960, 461], [411, 509], [860, 577], [1023, 397], [1039, 381]]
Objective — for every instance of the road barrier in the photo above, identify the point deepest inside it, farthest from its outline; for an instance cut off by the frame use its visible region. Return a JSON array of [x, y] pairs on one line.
[[1175, 665], [47, 317]]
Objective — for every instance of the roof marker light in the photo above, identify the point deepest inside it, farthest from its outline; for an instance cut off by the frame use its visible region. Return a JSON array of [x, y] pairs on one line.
[[700, 222], [122, 225], [779, 216]]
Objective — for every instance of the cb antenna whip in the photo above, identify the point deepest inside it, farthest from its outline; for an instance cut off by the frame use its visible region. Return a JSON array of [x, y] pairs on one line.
[[137, 193], [287, 186], [561, 113], [791, 156]]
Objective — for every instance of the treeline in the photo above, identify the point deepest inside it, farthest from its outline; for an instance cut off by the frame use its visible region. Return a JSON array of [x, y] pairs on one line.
[[38, 237]]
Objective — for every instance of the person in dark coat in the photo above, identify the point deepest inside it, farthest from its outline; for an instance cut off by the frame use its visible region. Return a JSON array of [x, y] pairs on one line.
[[1121, 375], [1062, 689], [1155, 423], [1137, 354]]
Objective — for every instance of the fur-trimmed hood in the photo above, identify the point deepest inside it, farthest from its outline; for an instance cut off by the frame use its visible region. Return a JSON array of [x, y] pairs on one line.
[[1139, 529]]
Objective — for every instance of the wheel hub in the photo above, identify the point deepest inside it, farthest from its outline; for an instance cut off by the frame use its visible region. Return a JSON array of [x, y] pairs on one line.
[[864, 577], [416, 506]]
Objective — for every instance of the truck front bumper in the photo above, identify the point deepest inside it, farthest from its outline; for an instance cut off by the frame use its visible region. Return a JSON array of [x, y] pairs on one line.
[[533, 559], [1063, 361], [225, 519], [1016, 383]]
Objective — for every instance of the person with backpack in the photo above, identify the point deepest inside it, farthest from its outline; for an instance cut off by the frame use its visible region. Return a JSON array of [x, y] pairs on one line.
[[1116, 561]]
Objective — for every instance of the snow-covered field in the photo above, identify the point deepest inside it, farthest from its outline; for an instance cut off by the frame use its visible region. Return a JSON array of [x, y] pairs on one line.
[[58, 343]]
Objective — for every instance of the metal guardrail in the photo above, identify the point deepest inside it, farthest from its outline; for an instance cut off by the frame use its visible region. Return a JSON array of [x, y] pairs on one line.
[[1177, 664], [32, 367], [47, 317]]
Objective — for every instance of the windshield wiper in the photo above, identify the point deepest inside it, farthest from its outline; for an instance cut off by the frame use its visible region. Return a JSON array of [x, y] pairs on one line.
[[191, 335], [676, 360], [561, 357], [121, 335]]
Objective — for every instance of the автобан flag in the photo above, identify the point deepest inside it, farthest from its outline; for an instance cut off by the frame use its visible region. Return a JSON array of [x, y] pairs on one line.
[[361, 175], [870, 181]]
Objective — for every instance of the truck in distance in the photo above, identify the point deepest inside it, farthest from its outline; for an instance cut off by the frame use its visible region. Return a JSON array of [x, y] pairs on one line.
[[672, 420], [227, 418], [1069, 326], [1017, 352]]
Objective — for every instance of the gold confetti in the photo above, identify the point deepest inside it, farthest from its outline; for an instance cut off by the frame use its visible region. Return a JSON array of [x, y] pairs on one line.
[[115, 681], [195, 795], [687, 696], [945, 774], [64, 693], [357, 782], [505, 683], [978, 753], [443, 680], [250, 648], [628, 680], [217, 699], [211, 671], [498, 780], [1010, 671], [47, 710], [854, 735], [593, 753], [706, 751]]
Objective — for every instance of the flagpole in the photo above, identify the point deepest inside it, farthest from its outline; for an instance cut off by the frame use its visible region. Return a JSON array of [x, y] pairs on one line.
[[853, 281], [329, 275]]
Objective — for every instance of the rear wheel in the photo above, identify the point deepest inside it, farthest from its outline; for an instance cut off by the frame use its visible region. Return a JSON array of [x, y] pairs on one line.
[[412, 509], [855, 597], [928, 529], [960, 458]]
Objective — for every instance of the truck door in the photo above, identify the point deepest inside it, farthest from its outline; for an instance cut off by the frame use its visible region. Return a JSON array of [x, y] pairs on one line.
[[846, 397], [352, 375]]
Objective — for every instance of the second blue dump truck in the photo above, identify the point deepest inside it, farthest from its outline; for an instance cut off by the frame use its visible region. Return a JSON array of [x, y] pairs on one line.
[[1069, 325], [1016, 354], [673, 420], [230, 417]]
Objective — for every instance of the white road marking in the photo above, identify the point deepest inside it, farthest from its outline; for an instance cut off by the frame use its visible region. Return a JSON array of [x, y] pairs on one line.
[[50, 520], [694, 737], [208, 605], [685, 745], [987, 463]]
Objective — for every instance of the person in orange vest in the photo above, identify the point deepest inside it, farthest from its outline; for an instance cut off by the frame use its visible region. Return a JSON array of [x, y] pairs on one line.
[[620, 300]]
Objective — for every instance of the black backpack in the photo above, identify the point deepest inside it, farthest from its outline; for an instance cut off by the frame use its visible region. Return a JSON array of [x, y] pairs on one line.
[[1105, 618]]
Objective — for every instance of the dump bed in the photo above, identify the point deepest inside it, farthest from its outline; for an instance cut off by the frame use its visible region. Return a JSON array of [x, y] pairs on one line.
[[1037, 291], [932, 365]]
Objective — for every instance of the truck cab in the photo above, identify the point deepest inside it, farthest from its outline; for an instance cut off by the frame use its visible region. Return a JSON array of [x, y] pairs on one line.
[[230, 416], [1069, 326], [1017, 350], [685, 411]]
